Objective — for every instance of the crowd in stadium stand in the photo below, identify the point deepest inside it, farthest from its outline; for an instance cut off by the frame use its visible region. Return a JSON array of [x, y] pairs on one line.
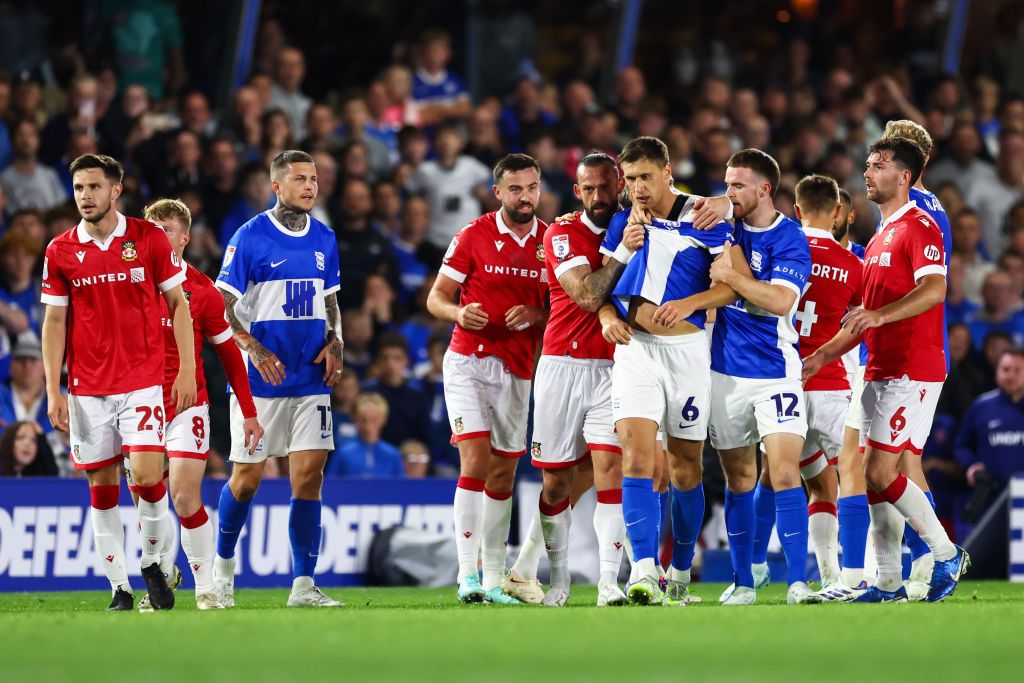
[[404, 162]]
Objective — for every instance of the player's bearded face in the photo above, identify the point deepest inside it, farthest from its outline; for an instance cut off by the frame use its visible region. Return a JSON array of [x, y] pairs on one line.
[[94, 194], [742, 188], [881, 179], [598, 189], [519, 192]]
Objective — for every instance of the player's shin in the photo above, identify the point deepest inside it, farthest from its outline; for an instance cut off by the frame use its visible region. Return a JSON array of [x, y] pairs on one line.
[[304, 534], [108, 534], [791, 513], [528, 559], [468, 508], [764, 515], [231, 516], [495, 522], [555, 520], [611, 534], [823, 529], [197, 542], [687, 520], [153, 519], [739, 524], [854, 521], [640, 514], [886, 535], [915, 507]]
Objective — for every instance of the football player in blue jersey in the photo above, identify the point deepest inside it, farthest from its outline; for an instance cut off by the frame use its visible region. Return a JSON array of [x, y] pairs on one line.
[[280, 280], [660, 380], [756, 392]]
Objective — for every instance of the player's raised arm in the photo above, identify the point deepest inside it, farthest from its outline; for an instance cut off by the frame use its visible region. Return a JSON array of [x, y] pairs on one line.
[[710, 211], [332, 355], [183, 393], [776, 298], [54, 333]]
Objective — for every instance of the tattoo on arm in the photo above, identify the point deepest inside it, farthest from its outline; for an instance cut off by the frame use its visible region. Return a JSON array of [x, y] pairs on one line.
[[246, 342], [334, 336], [590, 291], [290, 218]]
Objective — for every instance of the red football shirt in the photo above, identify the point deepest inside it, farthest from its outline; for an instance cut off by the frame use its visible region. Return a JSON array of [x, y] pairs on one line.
[[834, 287], [115, 342], [908, 247], [498, 270], [209, 321], [572, 331]]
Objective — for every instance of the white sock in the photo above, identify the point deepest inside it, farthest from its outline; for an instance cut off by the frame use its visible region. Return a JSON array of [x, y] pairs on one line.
[[870, 560], [556, 541], [168, 551], [108, 534], [152, 520], [823, 528], [647, 569], [887, 533], [468, 512], [224, 568], [634, 573], [611, 538], [497, 517], [528, 560], [198, 545], [920, 514]]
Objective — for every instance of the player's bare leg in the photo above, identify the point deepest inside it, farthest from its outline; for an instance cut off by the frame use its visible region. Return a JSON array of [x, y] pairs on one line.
[[920, 555], [894, 498], [685, 471], [495, 520], [740, 471], [148, 474], [640, 505], [608, 524], [196, 531], [474, 456], [555, 514], [306, 471], [782, 452], [233, 510], [108, 533]]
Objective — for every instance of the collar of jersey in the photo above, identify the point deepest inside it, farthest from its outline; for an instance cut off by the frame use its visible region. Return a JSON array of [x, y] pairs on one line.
[[898, 214], [432, 80], [585, 219], [502, 228], [119, 231], [286, 231], [775, 224], [819, 233]]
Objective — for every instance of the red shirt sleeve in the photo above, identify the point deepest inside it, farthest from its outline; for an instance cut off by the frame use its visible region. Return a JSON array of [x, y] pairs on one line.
[[924, 246], [458, 260], [166, 266], [211, 317], [55, 289]]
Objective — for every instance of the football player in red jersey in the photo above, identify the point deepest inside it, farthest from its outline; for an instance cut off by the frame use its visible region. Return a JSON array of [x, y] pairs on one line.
[[902, 324], [188, 432], [497, 261], [102, 282]]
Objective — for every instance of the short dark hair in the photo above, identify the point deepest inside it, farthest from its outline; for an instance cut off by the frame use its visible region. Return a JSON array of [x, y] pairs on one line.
[[905, 154], [393, 340], [110, 166], [510, 163], [644, 148], [1013, 351], [597, 159], [817, 193], [286, 158], [994, 335], [760, 163], [845, 196]]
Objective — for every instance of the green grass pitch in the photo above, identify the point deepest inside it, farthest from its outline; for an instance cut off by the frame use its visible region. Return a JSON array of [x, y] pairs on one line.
[[408, 634]]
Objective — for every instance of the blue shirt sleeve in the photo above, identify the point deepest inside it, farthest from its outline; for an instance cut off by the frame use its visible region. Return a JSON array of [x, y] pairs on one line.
[[791, 260], [332, 271], [613, 236], [714, 238], [965, 450], [237, 265]]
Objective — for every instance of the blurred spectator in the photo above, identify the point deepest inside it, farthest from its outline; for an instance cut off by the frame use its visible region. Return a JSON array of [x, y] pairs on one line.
[[277, 135], [257, 195], [25, 397], [242, 124], [25, 453], [220, 193], [963, 167], [525, 115], [146, 41], [993, 199], [327, 182], [996, 312], [484, 137], [79, 116], [454, 186], [995, 344], [358, 327], [413, 258], [630, 91], [1012, 263], [321, 127], [444, 456], [387, 207], [6, 151], [966, 377], [355, 127], [196, 116], [380, 302], [363, 250], [967, 245], [958, 306], [19, 254], [29, 222], [408, 405], [343, 398], [400, 109], [285, 92], [183, 172], [439, 94], [354, 162], [992, 437], [416, 457], [367, 456], [556, 186], [27, 182], [122, 127]]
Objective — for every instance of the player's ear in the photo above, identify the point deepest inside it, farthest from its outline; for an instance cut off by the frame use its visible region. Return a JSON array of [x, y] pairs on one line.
[[835, 213], [621, 185], [576, 190], [496, 191], [798, 212], [115, 191]]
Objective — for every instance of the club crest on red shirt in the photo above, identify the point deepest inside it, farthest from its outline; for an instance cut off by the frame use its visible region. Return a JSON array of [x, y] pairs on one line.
[[128, 252]]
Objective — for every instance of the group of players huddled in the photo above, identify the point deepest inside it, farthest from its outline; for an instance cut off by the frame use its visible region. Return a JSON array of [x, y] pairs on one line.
[[627, 388], [682, 317]]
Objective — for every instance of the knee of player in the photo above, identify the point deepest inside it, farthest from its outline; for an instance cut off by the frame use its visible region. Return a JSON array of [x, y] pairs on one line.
[[685, 475], [186, 503], [556, 486], [308, 485], [244, 488]]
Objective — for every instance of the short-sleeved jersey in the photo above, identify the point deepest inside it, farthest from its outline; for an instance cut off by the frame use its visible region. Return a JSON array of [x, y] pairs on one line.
[[834, 287], [498, 270], [908, 248], [209, 321], [280, 277], [674, 262], [572, 331], [113, 291], [749, 341], [443, 88]]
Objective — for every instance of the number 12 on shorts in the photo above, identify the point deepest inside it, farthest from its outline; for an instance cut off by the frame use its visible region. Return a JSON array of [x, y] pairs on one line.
[[785, 406]]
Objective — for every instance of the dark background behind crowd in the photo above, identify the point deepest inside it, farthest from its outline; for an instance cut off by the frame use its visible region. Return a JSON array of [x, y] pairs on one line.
[[405, 106]]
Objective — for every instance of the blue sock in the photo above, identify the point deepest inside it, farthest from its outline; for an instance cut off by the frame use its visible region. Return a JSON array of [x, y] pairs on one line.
[[231, 516], [663, 504], [640, 512], [914, 541], [791, 510], [304, 534], [687, 519], [739, 523], [854, 522], [764, 514]]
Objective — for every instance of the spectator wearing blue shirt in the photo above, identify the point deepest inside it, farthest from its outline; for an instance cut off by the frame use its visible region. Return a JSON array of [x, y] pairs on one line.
[[257, 196], [409, 408], [991, 439], [343, 398], [958, 307], [525, 115], [444, 456], [438, 93], [24, 398], [997, 312], [19, 294], [366, 456], [410, 250]]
